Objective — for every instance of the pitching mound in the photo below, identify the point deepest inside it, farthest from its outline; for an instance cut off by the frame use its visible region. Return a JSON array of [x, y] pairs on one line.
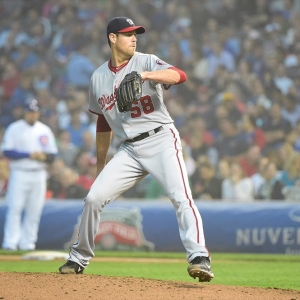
[[53, 286]]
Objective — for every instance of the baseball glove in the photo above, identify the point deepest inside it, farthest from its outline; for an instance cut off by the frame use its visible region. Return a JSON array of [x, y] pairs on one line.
[[129, 90]]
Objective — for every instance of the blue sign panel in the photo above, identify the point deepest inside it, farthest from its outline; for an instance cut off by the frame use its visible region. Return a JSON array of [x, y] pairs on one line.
[[269, 227]]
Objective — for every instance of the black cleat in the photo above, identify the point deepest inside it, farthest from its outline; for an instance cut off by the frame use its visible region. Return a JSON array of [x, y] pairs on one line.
[[71, 267], [200, 267]]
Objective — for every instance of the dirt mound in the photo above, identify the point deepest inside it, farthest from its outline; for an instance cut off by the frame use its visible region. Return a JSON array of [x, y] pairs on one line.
[[50, 286]]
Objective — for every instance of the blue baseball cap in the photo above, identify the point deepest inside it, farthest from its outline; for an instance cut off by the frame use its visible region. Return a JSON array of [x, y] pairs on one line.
[[123, 24], [31, 105]]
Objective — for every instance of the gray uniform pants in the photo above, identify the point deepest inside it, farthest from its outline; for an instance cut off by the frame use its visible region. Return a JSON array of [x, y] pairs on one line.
[[161, 156]]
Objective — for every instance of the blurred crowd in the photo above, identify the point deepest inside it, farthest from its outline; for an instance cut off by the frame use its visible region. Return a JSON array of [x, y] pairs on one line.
[[238, 113]]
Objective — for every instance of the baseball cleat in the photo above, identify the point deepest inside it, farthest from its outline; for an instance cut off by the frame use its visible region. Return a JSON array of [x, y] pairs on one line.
[[200, 267], [71, 267]]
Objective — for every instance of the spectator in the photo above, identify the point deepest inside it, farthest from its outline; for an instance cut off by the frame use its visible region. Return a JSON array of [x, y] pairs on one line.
[[218, 83], [12, 37], [53, 181], [67, 151], [9, 80], [59, 29], [233, 40], [44, 95], [200, 70], [258, 178], [82, 161], [237, 187], [23, 91], [282, 82], [25, 58], [43, 78], [198, 148], [290, 175], [63, 51], [177, 110], [93, 48], [219, 57], [39, 36], [202, 107], [256, 59], [291, 138], [212, 28], [73, 102], [205, 184], [220, 113], [268, 84], [275, 127], [285, 151], [69, 189], [249, 161], [196, 125], [33, 18], [291, 178], [244, 77], [254, 135], [50, 114], [80, 67], [231, 142], [274, 38], [234, 114], [271, 188], [88, 142], [291, 110], [223, 168], [76, 128], [87, 179], [259, 96]]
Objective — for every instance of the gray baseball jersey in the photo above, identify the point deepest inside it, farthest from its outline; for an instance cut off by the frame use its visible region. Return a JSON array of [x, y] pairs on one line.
[[144, 115]]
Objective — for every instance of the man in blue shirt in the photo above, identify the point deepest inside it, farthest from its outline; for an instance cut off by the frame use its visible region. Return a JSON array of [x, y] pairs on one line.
[[231, 142], [25, 57], [80, 67]]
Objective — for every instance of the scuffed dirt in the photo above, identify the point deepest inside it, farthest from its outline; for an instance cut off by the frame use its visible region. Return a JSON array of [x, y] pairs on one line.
[[50, 286]]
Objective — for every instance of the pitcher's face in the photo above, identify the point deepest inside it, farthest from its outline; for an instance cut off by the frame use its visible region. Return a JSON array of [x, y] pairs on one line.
[[126, 43]]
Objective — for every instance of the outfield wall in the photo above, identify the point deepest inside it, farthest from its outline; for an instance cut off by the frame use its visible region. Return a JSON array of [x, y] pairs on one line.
[[268, 227]]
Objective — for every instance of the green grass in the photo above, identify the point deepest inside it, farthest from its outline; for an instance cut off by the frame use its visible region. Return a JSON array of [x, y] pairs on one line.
[[260, 270]]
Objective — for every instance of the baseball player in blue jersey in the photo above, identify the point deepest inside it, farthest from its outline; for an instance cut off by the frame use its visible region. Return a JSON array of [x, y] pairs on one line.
[[150, 145], [30, 145]]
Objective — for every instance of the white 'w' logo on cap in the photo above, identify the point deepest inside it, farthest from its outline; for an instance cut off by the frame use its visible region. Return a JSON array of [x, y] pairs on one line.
[[130, 21]]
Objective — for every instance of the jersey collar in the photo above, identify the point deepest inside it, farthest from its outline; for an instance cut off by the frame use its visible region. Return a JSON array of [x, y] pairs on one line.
[[116, 69]]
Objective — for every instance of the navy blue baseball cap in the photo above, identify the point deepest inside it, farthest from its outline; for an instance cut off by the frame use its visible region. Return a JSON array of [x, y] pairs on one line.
[[123, 24], [31, 105]]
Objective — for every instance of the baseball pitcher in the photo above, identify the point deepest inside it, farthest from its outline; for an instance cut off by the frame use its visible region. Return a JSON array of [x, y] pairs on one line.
[[126, 93]]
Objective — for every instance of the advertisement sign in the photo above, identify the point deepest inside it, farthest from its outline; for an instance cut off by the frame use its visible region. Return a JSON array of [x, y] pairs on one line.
[[139, 225]]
